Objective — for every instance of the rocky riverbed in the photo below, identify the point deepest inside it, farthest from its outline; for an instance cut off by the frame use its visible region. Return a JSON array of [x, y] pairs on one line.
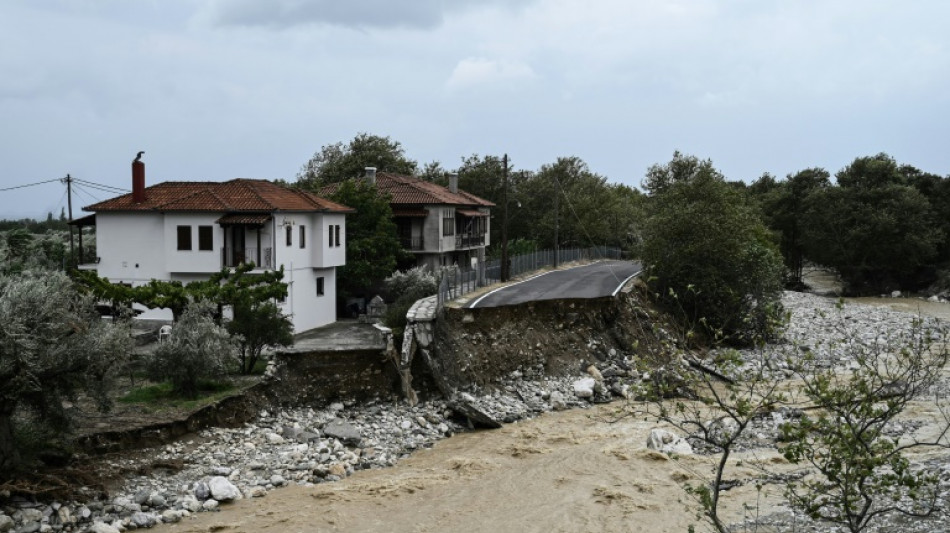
[[310, 447]]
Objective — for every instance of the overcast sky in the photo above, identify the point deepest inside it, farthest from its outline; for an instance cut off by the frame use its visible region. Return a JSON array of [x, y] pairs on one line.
[[214, 90]]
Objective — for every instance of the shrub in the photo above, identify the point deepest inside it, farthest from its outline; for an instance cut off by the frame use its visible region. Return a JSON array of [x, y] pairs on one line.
[[198, 349]]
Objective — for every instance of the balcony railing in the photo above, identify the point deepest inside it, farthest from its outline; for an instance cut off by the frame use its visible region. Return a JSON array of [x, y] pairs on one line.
[[469, 240], [412, 243], [261, 257]]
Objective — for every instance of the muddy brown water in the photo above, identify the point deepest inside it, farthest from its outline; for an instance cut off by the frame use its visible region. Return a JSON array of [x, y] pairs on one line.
[[579, 470]]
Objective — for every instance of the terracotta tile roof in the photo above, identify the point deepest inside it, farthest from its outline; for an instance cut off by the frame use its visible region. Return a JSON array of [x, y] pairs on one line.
[[236, 195], [406, 190]]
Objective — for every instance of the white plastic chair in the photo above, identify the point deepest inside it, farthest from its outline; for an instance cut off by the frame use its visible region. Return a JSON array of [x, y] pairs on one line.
[[164, 333]]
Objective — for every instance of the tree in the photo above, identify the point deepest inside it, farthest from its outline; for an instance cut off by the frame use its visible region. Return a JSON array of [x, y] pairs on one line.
[[727, 399], [372, 244], [863, 472], [709, 255], [337, 162], [198, 349], [256, 325], [52, 345], [877, 231], [783, 208]]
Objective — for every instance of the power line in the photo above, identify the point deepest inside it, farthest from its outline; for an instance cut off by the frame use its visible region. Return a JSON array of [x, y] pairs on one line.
[[101, 185], [28, 185], [99, 188]]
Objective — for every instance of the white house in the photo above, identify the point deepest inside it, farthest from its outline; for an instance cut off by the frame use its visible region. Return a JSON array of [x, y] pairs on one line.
[[440, 226], [186, 231]]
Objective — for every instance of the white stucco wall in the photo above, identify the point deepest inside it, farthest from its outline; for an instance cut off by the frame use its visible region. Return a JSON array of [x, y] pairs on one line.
[[306, 309], [323, 255], [194, 260], [130, 247]]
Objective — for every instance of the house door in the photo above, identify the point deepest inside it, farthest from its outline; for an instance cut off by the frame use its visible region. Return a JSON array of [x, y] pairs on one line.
[[237, 240]]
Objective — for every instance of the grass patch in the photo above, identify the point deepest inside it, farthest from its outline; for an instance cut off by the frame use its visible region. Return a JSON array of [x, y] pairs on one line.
[[162, 395]]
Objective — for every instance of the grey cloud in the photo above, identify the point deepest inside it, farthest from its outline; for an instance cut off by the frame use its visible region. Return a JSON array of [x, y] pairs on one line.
[[280, 14]]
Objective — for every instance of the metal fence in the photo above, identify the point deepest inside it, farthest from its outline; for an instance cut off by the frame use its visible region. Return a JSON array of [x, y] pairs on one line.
[[456, 282]]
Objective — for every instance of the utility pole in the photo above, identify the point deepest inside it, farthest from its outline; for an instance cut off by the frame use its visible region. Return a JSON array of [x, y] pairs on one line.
[[504, 223], [557, 198], [69, 201]]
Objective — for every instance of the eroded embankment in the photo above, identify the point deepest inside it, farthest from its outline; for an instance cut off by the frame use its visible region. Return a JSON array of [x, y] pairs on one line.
[[481, 347]]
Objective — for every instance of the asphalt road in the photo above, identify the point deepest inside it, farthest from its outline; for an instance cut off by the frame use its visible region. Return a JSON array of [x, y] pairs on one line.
[[589, 281]]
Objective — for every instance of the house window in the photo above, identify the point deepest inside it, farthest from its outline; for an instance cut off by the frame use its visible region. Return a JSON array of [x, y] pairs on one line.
[[448, 223], [303, 236], [320, 286], [330, 236], [184, 238], [337, 232], [290, 235], [205, 238]]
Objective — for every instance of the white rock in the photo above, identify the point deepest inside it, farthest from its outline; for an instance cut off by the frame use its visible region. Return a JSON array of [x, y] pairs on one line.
[[274, 438], [668, 442], [256, 492], [223, 490], [584, 387], [171, 516], [209, 505], [6, 523], [102, 527]]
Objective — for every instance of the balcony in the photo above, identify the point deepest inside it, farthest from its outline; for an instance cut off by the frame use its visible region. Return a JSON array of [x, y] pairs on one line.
[[263, 258], [469, 240], [413, 244]]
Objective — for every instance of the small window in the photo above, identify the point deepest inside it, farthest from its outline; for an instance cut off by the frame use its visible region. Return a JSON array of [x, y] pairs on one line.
[[205, 238], [184, 238], [303, 236], [330, 237], [290, 236], [337, 227], [320, 286]]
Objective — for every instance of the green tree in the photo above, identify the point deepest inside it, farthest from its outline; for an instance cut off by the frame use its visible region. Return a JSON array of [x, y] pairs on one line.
[[710, 255], [372, 244], [337, 162], [198, 349], [877, 231], [256, 325], [52, 345]]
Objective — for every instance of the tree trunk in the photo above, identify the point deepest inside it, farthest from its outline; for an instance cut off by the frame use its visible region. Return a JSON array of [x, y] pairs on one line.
[[9, 456]]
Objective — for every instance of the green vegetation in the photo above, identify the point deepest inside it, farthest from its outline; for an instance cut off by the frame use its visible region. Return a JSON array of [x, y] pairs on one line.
[[709, 255], [163, 395], [198, 350], [52, 346], [338, 162], [404, 288]]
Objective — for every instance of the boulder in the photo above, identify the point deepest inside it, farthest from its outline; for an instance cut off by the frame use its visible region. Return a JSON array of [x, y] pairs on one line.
[[102, 527], [6, 523], [342, 431], [223, 490], [668, 442], [202, 491], [584, 387]]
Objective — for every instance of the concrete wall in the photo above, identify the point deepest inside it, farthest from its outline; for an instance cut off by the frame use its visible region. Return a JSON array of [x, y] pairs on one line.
[[131, 247], [306, 308], [323, 255]]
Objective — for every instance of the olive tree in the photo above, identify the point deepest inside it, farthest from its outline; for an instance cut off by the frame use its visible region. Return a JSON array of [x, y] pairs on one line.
[[52, 346], [198, 349]]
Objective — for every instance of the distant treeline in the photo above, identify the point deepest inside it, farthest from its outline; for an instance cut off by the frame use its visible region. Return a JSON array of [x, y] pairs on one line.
[[36, 226]]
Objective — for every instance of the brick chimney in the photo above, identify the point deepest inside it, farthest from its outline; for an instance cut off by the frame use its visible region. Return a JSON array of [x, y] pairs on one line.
[[371, 176], [138, 180], [454, 183]]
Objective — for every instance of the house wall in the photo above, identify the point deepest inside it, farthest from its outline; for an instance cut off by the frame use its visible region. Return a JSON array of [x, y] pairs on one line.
[[306, 309], [194, 260], [130, 247], [323, 255], [432, 230]]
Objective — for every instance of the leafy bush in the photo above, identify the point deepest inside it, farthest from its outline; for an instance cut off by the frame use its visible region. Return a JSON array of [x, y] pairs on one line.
[[405, 288], [52, 345], [710, 256], [198, 349]]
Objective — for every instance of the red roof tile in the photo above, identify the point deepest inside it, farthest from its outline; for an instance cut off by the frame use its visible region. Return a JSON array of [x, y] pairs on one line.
[[406, 190], [235, 195]]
